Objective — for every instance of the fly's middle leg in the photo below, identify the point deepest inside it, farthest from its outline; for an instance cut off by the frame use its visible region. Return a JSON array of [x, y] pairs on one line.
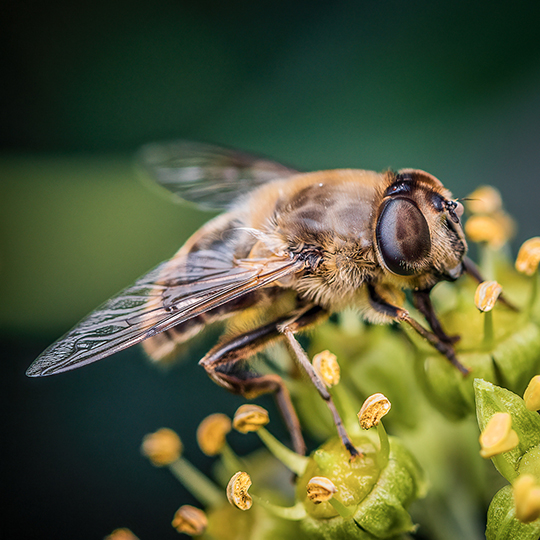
[[288, 329]]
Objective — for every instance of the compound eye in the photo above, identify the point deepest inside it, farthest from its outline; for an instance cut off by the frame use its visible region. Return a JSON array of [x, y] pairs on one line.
[[403, 236]]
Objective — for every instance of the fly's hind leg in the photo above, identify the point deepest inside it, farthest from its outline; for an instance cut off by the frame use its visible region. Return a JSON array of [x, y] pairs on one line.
[[444, 346], [220, 364]]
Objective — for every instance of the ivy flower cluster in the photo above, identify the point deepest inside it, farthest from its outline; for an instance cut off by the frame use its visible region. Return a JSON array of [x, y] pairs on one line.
[[461, 457]]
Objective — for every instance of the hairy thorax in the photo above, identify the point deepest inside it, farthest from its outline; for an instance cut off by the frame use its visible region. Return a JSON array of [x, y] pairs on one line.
[[332, 215]]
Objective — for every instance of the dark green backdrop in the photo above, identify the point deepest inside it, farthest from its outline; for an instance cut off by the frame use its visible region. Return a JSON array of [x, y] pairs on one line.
[[453, 88]]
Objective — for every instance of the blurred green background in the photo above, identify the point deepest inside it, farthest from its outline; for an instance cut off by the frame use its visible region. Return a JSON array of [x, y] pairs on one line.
[[452, 88]]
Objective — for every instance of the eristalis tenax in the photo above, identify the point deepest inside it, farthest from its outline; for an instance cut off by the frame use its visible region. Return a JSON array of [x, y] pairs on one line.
[[292, 247]]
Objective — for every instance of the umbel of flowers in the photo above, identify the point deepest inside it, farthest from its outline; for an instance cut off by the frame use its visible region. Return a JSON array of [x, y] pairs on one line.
[[384, 492], [334, 496]]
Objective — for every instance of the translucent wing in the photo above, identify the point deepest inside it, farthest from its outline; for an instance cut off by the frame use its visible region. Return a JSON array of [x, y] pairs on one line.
[[170, 294], [208, 175]]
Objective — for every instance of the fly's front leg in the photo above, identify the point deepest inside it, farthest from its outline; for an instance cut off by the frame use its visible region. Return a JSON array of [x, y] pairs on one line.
[[423, 304], [288, 329], [220, 362], [402, 315]]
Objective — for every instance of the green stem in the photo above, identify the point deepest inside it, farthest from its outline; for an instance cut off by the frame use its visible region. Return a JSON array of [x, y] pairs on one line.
[[534, 293], [487, 263], [343, 511], [384, 451], [488, 330], [346, 406], [505, 467], [231, 461], [292, 513], [295, 462], [199, 485]]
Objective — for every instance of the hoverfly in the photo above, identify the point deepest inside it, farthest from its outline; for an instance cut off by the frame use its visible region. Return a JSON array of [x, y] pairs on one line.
[[291, 246]]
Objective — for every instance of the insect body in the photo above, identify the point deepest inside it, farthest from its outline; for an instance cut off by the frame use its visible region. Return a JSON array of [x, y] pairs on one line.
[[292, 247]]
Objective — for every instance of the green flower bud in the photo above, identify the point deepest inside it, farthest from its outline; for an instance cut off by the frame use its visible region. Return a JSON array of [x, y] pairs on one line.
[[446, 388], [491, 399], [502, 523], [530, 463], [368, 502], [517, 357]]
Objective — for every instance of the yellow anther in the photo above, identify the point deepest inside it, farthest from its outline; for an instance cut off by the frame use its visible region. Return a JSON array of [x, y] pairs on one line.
[[529, 256], [532, 394], [498, 436], [320, 489], [495, 229], [327, 367], [527, 498], [162, 447], [211, 433], [373, 409], [484, 200], [237, 491], [190, 520], [121, 534], [486, 295], [250, 418]]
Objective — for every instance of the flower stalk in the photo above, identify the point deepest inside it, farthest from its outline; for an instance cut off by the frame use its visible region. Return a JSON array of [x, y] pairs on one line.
[[198, 484], [293, 461]]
